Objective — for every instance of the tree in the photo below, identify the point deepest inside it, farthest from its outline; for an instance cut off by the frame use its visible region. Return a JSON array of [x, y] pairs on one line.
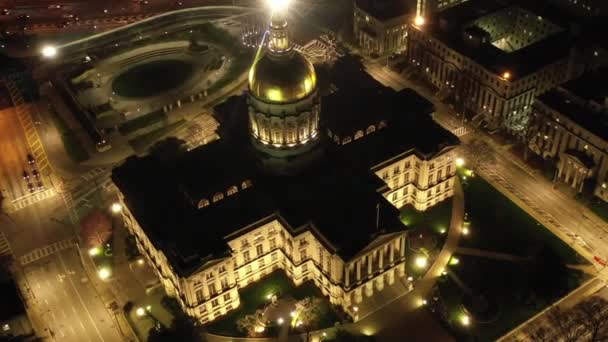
[[594, 315], [586, 321], [95, 229], [248, 323], [308, 313], [478, 154]]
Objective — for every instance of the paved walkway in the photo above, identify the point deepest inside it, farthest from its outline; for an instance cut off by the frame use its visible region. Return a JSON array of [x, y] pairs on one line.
[[489, 254], [405, 313]]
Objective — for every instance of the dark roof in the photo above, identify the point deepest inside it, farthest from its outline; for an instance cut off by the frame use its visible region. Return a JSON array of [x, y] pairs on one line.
[[590, 87], [384, 9], [12, 305], [337, 194], [449, 25], [592, 120]]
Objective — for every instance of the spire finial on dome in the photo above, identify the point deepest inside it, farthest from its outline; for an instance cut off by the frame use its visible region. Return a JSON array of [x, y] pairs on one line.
[[279, 37]]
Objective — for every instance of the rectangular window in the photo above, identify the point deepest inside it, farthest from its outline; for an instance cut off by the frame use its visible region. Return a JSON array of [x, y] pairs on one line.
[[202, 309], [448, 171], [246, 256], [215, 303], [259, 250], [209, 275], [273, 243], [248, 269], [262, 262], [227, 297], [222, 269], [224, 283], [304, 268], [303, 254], [199, 295], [212, 290], [274, 256], [394, 196]]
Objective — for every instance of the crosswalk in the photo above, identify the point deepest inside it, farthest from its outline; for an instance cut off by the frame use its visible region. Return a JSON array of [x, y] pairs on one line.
[[40, 253], [25, 201], [5, 247], [93, 174]]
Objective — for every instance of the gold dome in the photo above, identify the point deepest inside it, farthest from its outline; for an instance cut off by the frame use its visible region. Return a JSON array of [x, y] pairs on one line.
[[282, 80]]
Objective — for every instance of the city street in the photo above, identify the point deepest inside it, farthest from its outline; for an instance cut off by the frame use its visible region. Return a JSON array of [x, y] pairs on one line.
[[13, 156], [559, 212], [66, 301]]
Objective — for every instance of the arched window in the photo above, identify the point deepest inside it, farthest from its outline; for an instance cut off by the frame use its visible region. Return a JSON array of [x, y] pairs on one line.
[[246, 184], [203, 203], [232, 190], [218, 197], [370, 129], [382, 124], [358, 135], [346, 140]]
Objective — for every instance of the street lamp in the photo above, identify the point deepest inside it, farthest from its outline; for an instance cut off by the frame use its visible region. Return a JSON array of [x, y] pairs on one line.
[[140, 312], [116, 208], [104, 273], [49, 51], [459, 162], [421, 261], [465, 320], [94, 251], [419, 20]]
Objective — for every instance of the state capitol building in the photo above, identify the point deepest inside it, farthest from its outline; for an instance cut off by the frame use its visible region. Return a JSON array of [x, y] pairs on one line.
[[308, 176]]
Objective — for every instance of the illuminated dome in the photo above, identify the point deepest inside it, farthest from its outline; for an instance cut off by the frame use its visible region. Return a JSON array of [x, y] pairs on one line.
[[281, 80]]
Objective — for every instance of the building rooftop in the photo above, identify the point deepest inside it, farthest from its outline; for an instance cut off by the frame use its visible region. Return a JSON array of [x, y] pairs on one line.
[[448, 26], [590, 87], [12, 305], [384, 9], [579, 112], [337, 194]]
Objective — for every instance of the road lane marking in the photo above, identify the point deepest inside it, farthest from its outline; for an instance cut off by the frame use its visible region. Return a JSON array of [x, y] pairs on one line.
[[80, 298], [82, 325]]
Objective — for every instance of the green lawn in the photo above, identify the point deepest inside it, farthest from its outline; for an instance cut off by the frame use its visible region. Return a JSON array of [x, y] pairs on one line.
[[499, 225], [508, 287], [253, 297], [152, 78], [436, 218], [434, 221], [515, 290]]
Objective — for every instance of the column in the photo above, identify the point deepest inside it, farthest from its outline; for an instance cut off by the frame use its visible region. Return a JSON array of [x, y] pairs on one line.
[[347, 276], [381, 257], [391, 252], [358, 265], [402, 247], [369, 263]]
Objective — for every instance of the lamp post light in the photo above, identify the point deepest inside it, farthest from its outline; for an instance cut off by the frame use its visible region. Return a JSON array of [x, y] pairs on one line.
[[49, 51], [116, 208]]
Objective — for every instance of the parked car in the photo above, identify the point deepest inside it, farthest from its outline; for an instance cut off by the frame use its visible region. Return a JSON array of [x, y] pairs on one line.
[[30, 159], [26, 175]]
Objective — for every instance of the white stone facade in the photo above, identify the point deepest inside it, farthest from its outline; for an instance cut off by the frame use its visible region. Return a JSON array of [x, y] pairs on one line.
[[212, 290]]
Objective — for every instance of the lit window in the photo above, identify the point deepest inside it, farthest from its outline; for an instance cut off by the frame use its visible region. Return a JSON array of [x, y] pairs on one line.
[[203, 203], [218, 197], [232, 190]]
